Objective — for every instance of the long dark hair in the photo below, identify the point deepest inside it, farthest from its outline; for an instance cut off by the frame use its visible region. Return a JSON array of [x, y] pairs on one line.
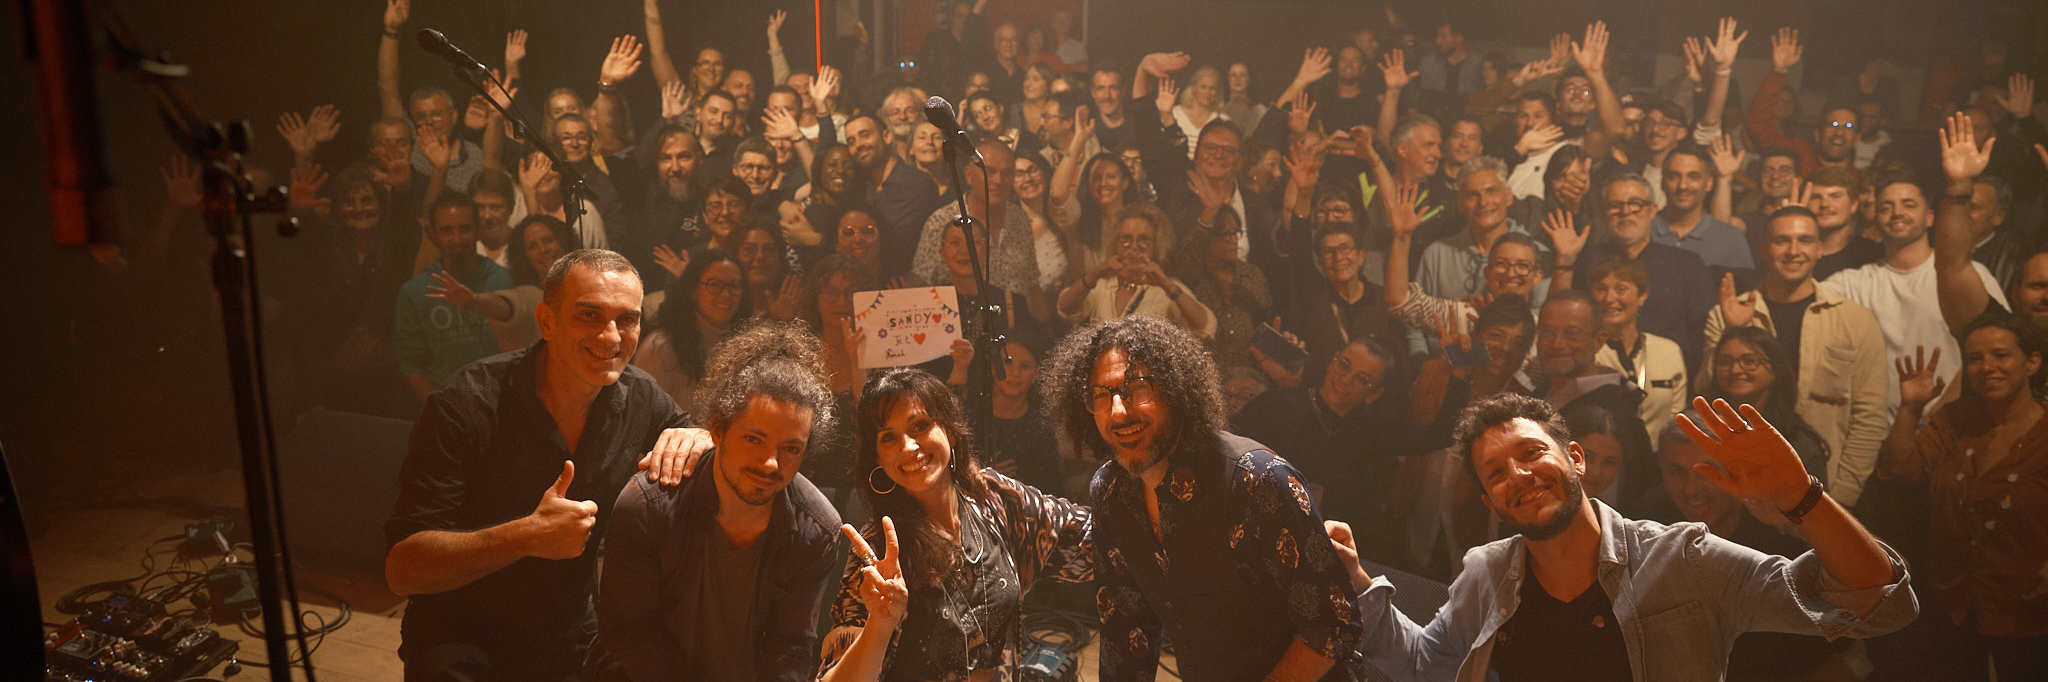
[[1781, 406], [927, 555], [679, 309], [814, 282], [1091, 215], [1183, 375], [515, 248]]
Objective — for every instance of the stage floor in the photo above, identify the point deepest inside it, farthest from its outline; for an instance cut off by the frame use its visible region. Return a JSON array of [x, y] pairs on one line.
[[102, 530]]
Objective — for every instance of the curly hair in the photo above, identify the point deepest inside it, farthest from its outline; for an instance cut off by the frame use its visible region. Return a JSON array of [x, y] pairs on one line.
[[1183, 375], [1489, 412], [777, 360], [928, 555]]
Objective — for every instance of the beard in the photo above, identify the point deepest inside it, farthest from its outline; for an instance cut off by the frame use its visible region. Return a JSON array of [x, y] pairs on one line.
[[1574, 501]]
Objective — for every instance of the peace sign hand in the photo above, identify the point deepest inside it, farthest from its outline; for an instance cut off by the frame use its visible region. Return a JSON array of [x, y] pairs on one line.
[[882, 588], [1755, 461]]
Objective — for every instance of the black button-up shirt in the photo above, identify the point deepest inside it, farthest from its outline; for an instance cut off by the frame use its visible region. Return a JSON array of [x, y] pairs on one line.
[[1240, 570], [907, 197], [481, 454]]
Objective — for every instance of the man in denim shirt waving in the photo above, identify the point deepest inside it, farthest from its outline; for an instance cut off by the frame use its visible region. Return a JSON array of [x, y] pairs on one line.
[[1670, 599]]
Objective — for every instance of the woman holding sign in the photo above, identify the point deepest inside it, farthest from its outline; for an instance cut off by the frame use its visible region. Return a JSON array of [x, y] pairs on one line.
[[1132, 282], [963, 545]]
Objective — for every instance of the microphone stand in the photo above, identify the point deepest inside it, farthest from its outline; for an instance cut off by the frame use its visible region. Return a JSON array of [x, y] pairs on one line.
[[230, 201], [988, 336], [573, 187]]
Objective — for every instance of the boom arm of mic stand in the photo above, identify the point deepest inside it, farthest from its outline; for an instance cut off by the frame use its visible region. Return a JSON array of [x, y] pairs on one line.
[[572, 181]]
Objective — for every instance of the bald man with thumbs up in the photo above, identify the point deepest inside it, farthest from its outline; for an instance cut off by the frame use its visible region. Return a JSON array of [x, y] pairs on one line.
[[507, 488]]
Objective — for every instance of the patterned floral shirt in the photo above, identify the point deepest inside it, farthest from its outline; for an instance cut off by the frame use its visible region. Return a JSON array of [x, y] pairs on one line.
[[972, 620], [1239, 571]]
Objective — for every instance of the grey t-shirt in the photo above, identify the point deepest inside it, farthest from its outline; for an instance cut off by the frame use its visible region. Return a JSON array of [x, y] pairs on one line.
[[723, 594]]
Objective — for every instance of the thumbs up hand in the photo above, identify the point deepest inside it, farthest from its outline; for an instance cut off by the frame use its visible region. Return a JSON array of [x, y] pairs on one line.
[[560, 527]]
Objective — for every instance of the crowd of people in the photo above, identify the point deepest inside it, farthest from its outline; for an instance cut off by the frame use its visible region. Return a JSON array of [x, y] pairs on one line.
[[1363, 285]]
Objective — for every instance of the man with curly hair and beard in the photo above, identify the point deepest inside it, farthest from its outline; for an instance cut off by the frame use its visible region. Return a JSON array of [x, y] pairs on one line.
[[1581, 593], [1202, 536]]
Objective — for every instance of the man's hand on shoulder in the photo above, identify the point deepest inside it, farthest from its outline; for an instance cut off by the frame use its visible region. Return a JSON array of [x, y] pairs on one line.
[[675, 455]]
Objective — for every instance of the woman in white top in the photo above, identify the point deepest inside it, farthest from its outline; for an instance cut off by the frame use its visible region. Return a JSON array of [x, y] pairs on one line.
[[703, 306], [1200, 104], [1050, 218], [535, 245], [1132, 281]]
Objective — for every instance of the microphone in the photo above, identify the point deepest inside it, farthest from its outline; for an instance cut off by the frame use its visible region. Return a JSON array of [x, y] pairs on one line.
[[437, 44], [940, 114]]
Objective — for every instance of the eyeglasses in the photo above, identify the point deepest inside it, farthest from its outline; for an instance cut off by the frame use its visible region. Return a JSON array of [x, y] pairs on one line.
[[1139, 240], [1030, 171], [754, 168], [1215, 150], [1629, 207], [1512, 267], [1134, 161], [1667, 123], [1342, 370], [1334, 212], [720, 287], [1135, 391], [573, 137], [1839, 124], [1337, 251], [1749, 362], [1578, 90], [1568, 335], [852, 232], [1230, 234]]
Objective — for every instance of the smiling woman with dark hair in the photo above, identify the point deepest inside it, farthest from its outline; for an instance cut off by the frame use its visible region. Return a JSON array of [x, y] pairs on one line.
[[704, 305], [946, 601]]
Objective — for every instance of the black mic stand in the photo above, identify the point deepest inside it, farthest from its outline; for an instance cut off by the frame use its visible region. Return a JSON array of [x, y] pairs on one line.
[[573, 188], [988, 336], [229, 202]]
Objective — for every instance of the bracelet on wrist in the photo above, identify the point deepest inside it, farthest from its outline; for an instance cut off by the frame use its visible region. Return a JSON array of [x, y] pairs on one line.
[[608, 87], [1723, 71], [391, 34]]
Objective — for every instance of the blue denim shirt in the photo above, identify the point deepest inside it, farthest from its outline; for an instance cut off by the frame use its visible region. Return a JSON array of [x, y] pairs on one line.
[[1681, 595]]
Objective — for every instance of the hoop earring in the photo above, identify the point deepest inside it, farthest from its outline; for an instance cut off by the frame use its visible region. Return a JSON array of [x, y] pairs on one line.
[[878, 490]]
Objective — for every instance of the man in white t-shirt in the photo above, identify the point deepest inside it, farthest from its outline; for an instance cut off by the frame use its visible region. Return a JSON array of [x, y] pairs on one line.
[[1900, 288]]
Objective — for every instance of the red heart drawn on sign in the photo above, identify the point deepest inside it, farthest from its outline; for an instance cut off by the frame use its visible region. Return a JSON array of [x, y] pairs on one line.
[[936, 318], [918, 337]]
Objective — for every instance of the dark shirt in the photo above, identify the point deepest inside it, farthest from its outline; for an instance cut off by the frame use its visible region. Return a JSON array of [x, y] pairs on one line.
[[1681, 292], [1240, 570], [679, 603], [907, 197], [1008, 540], [944, 60], [1325, 322], [1350, 459], [481, 453], [1858, 253], [1340, 113], [1111, 137], [2003, 254], [660, 219], [1790, 320], [1548, 639], [1031, 444]]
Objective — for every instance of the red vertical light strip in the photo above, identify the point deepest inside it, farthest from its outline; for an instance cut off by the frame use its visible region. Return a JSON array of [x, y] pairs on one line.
[[818, 32]]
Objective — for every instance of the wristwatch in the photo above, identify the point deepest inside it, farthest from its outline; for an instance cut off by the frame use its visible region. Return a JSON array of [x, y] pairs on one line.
[[1807, 503]]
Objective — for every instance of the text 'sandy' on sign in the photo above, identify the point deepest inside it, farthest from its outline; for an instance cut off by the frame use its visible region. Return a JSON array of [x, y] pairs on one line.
[[900, 327]]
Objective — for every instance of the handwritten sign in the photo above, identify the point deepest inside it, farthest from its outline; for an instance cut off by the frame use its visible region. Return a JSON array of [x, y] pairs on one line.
[[906, 326]]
